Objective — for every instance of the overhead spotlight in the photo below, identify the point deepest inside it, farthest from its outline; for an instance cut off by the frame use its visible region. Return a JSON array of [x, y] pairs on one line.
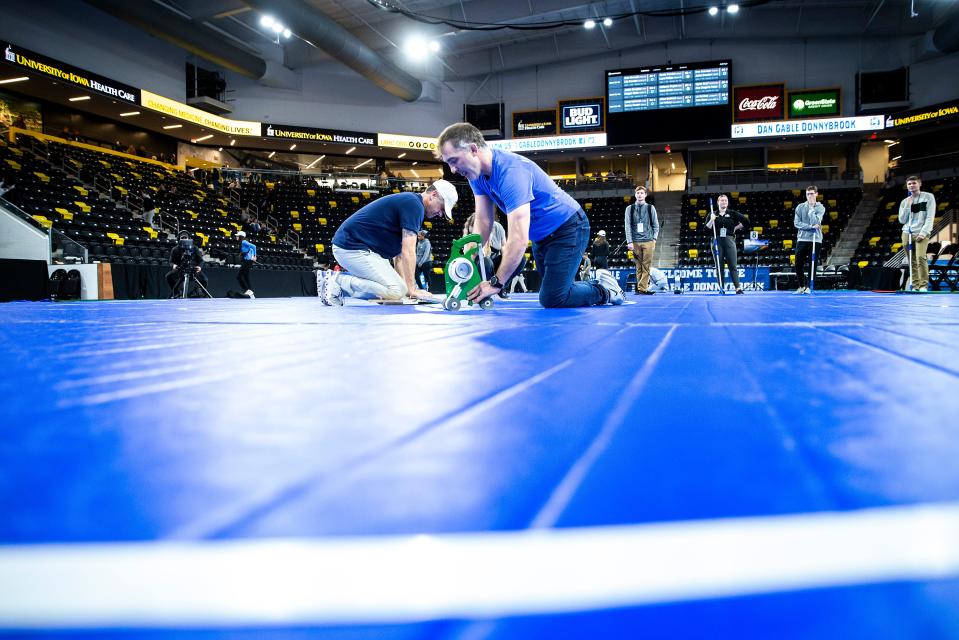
[[292, 146], [277, 27], [590, 23], [206, 137], [607, 22], [267, 21], [435, 46], [220, 149], [416, 48], [402, 155], [713, 11], [129, 113], [287, 33], [11, 80], [79, 98], [232, 142], [173, 126], [733, 8], [351, 150], [272, 153], [415, 163]]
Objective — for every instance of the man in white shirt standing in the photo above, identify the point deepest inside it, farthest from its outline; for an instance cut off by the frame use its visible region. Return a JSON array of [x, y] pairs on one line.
[[917, 212]]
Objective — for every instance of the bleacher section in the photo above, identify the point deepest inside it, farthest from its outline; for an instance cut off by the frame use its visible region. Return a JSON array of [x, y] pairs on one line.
[[883, 237], [771, 214], [91, 195]]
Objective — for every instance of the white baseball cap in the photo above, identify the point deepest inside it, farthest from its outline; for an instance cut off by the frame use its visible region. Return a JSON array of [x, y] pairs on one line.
[[448, 192], [601, 233], [240, 234]]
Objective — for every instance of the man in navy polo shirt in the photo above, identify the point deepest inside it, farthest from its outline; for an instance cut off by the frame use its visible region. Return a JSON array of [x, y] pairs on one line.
[[536, 209], [383, 230]]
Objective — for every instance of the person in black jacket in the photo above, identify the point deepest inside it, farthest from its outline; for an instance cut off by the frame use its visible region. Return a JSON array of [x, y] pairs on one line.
[[184, 256], [727, 223], [600, 251]]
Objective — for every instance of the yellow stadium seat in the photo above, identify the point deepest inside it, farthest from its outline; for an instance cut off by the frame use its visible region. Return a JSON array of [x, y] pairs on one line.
[[355, 199], [322, 222], [311, 192], [890, 205], [438, 270], [297, 226], [792, 259], [734, 194], [203, 238], [795, 192], [832, 202], [701, 212], [787, 244], [787, 204], [366, 195], [311, 208], [873, 241], [862, 264], [693, 253], [825, 228], [153, 232], [43, 221], [834, 215], [588, 206], [294, 214], [774, 224], [943, 206], [896, 247], [893, 218], [320, 248], [117, 240], [83, 206], [742, 199], [427, 224], [627, 198], [332, 204], [758, 229], [629, 254], [693, 224], [819, 197], [692, 201]]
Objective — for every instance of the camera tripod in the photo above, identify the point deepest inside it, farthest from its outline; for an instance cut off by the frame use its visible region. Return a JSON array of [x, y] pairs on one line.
[[190, 275]]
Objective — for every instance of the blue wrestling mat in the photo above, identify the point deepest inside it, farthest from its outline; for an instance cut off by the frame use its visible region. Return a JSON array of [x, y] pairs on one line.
[[697, 466]]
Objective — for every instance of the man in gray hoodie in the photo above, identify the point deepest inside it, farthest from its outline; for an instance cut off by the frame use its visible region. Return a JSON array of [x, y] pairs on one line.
[[917, 212], [642, 229], [808, 222]]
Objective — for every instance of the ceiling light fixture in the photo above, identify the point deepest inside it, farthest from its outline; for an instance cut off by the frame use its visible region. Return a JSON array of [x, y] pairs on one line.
[[312, 164], [79, 98], [129, 113], [416, 48], [292, 146], [11, 80], [413, 171], [713, 11], [351, 150], [206, 137], [590, 23], [364, 163], [733, 8], [402, 155], [272, 153], [267, 21], [607, 22], [435, 46], [173, 126]]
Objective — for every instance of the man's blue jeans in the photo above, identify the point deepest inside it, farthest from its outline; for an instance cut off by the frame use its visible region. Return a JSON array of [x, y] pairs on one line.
[[558, 257]]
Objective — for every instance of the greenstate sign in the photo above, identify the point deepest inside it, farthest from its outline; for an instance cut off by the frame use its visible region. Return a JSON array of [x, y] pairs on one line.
[[813, 104]]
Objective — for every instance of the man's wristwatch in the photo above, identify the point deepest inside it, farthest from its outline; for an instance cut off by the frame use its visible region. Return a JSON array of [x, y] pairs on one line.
[[494, 282]]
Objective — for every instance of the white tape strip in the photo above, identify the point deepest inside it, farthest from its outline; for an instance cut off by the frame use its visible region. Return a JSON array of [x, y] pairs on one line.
[[410, 578]]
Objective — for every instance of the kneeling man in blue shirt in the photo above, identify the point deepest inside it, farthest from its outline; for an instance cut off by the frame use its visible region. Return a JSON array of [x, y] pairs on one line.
[[536, 209]]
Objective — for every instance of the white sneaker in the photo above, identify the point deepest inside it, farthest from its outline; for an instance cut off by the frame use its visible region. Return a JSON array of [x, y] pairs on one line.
[[923, 289], [333, 294], [607, 281], [249, 294], [321, 281], [799, 291]]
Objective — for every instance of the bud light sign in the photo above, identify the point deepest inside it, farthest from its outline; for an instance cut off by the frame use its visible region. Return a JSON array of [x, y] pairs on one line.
[[764, 102], [577, 116]]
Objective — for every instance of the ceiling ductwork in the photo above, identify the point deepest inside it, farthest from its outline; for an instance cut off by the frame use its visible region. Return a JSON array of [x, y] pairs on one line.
[[186, 34], [326, 34], [946, 36]]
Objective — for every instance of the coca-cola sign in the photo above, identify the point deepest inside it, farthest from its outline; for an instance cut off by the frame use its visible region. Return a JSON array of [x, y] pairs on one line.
[[763, 102]]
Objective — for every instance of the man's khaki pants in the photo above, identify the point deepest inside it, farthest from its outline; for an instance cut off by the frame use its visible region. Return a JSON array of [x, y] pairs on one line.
[[920, 261], [643, 255]]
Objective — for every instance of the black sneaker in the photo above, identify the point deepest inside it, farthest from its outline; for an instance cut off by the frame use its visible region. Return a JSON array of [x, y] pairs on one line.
[[504, 294], [738, 291]]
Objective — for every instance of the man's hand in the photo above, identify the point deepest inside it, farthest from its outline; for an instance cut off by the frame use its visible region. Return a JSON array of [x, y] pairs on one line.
[[482, 291], [630, 246], [920, 238], [817, 226], [421, 294], [253, 258]]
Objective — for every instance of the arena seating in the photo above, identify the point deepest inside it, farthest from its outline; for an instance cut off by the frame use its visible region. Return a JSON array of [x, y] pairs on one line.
[[883, 237], [91, 195], [771, 214]]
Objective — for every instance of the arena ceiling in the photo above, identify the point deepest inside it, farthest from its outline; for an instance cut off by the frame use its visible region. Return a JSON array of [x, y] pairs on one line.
[[468, 54]]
